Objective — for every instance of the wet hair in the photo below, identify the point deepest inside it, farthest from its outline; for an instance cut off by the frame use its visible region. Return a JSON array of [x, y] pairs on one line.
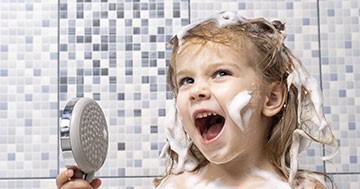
[[274, 62]]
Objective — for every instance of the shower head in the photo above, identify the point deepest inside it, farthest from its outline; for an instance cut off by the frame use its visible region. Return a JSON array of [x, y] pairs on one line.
[[83, 136]]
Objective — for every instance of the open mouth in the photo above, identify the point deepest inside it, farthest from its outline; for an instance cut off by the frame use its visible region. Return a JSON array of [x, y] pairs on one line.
[[209, 125]]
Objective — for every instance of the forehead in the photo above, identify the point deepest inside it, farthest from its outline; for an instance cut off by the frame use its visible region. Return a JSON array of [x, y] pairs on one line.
[[202, 60], [209, 51]]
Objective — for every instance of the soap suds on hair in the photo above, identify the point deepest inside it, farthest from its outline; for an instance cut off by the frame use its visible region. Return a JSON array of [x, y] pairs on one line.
[[310, 110], [223, 19], [178, 142]]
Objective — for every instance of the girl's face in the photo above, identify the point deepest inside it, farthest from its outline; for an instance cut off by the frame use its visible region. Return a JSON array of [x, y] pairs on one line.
[[220, 101]]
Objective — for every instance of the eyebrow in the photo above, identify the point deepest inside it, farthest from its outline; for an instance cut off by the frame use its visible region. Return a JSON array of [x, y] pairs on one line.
[[214, 65], [183, 72]]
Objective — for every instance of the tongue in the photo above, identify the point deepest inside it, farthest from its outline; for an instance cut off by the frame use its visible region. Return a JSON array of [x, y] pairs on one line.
[[213, 131]]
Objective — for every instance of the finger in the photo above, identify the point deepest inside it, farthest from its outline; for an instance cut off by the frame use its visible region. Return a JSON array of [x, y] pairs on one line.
[[64, 177], [96, 183], [77, 184]]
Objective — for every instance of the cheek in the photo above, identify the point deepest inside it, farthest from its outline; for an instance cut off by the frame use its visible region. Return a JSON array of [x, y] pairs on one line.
[[182, 109], [180, 105]]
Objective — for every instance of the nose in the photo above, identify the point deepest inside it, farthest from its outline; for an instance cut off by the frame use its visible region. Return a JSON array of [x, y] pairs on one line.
[[200, 93]]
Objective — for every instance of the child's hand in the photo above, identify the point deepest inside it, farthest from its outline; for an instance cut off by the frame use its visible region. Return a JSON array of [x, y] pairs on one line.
[[65, 180]]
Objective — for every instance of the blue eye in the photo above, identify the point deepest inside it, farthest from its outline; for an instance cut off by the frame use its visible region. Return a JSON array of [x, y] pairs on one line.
[[221, 73], [185, 81]]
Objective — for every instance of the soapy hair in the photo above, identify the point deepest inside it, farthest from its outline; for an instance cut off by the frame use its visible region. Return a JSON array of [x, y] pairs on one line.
[[301, 117]]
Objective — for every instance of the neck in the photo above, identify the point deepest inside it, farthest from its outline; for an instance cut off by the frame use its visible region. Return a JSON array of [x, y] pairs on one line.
[[242, 166], [242, 170]]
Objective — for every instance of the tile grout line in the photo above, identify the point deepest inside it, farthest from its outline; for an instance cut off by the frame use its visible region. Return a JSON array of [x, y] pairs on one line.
[[320, 69]]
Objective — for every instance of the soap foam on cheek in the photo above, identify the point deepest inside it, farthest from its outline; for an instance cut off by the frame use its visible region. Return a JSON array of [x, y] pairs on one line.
[[235, 107]]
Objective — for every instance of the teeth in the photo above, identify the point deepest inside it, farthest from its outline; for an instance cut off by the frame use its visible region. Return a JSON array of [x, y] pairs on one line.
[[205, 114]]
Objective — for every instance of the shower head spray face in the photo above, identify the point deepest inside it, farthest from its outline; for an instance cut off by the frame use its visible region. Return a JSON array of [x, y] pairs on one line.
[[84, 136]]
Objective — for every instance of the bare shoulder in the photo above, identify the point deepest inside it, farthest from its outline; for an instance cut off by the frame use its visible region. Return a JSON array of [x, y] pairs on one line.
[[173, 181], [309, 180]]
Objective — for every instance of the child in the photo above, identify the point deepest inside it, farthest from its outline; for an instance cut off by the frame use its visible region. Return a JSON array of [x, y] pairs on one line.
[[245, 108]]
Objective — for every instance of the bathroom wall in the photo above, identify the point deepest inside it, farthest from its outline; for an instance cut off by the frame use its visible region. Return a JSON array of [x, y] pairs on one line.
[[114, 51]]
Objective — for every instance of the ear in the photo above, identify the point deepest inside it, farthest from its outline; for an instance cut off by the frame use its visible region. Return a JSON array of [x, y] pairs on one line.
[[274, 99]]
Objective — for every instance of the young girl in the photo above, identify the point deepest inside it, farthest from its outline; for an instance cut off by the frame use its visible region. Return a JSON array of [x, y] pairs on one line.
[[245, 108]]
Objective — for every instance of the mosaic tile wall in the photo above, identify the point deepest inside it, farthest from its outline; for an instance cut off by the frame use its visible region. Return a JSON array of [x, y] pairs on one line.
[[114, 51]]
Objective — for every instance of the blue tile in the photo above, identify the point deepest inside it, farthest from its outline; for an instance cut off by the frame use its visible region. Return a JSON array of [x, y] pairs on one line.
[[315, 53], [96, 79], [45, 23], [112, 121], [290, 37], [348, 44], [63, 47], [120, 113], [29, 39], [349, 69], [311, 152], [37, 72], [3, 48], [153, 87], [138, 163], [121, 146], [53, 173], [154, 146], [120, 96], [352, 126], [28, 122], [44, 156], [306, 21], [145, 104], [54, 105], [87, 55], [161, 112], [145, 79], [137, 129], [11, 156], [153, 129], [331, 12], [63, 6], [88, 72], [29, 7], [353, 159], [28, 97], [3, 73], [333, 77], [319, 168], [129, 79], [289, 5], [121, 171], [327, 109], [342, 93], [137, 112], [71, 55], [96, 96]]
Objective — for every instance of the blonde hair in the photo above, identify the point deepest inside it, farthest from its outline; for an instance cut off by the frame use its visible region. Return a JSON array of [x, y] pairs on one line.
[[275, 63]]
